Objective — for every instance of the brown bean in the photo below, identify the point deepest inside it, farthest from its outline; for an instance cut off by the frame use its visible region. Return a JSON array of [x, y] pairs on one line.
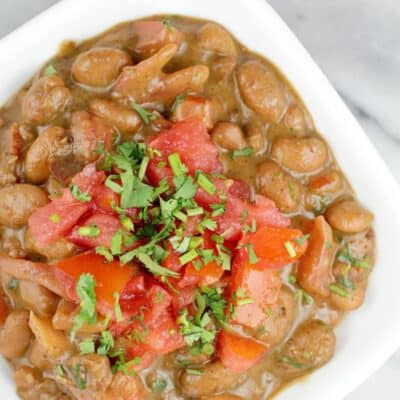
[[195, 107], [277, 325], [11, 144], [124, 387], [311, 346], [88, 130], [229, 136], [326, 183], [295, 120], [349, 216], [273, 182], [63, 319], [213, 37], [15, 334], [314, 271], [46, 98], [123, 118], [51, 142], [257, 137], [39, 357], [18, 202], [302, 155], [353, 299], [43, 274], [215, 378], [99, 67], [37, 298], [153, 35], [146, 82], [224, 66], [261, 90], [57, 250], [54, 342]]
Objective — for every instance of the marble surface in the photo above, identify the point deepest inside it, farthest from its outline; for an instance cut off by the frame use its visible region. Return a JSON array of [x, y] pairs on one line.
[[357, 44]]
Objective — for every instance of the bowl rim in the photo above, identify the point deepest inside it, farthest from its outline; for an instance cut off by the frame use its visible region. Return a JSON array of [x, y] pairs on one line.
[[340, 130]]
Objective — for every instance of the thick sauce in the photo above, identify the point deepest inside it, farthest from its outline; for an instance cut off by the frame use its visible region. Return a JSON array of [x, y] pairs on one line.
[[265, 138]]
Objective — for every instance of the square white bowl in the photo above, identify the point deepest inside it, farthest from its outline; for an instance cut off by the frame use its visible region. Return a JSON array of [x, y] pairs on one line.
[[368, 336]]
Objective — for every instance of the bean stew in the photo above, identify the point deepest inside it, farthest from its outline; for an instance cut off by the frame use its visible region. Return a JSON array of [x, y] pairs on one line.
[[172, 225]]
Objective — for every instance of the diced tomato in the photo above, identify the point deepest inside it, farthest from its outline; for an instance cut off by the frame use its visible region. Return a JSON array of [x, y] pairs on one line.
[[252, 288], [172, 260], [182, 298], [104, 198], [145, 359], [207, 275], [238, 213], [239, 353], [110, 277], [53, 220], [107, 224], [192, 142], [164, 336], [277, 245], [88, 179]]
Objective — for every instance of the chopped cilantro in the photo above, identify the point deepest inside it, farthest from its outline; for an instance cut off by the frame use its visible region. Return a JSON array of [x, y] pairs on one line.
[[187, 257], [246, 152], [87, 346], [89, 231], [290, 249], [155, 268], [146, 116], [338, 290], [50, 70], [159, 385], [12, 284], [301, 240], [59, 370], [55, 218], [80, 196], [178, 101], [106, 343], [79, 376], [178, 168], [87, 296], [205, 183], [106, 253], [291, 362]]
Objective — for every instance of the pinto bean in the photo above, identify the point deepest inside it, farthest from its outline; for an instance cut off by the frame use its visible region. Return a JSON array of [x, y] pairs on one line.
[[354, 298], [195, 107], [51, 142], [15, 334], [37, 298], [87, 131], [326, 183], [124, 387], [302, 155], [43, 274], [311, 346], [54, 342], [277, 325], [18, 202], [39, 357], [99, 67], [229, 136], [11, 143], [257, 137], [153, 35], [213, 37], [123, 118], [314, 271], [45, 100], [57, 250], [273, 182], [223, 66], [349, 216], [94, 369], [261, 90], [63, 319], [146, 82], [215, 378], [295, 120]]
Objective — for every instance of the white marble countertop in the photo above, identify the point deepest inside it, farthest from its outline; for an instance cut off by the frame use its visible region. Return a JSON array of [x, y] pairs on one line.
[[357, 44]]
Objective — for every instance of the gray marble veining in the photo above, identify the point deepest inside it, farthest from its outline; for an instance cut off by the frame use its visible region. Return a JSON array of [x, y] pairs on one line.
[[357, 44]]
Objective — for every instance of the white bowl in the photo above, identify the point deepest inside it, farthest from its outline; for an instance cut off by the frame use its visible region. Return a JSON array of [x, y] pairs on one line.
[[369, 335]]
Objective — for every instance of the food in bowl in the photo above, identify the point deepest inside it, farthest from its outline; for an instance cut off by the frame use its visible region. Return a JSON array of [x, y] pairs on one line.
[[172, 225]]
